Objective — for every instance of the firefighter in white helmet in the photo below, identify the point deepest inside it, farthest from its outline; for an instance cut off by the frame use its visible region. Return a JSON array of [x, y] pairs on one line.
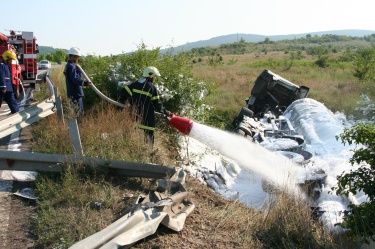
[[6, 87], [74, 81], [143, 96]]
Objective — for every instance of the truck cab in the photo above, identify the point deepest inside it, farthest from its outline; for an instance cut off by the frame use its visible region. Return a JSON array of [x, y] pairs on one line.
[[273, 93]]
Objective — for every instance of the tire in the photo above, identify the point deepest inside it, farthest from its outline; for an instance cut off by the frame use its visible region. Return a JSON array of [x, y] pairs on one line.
[[241, 133], [245, 112]]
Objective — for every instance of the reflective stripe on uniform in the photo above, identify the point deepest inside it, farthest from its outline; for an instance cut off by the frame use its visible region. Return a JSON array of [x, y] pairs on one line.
[[155, 97], [143, 92], [146, 127], [128, 90]]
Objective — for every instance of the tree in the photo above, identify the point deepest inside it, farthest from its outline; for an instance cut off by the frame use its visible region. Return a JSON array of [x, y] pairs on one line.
[[60, 56], [364, 64], [360, 219]]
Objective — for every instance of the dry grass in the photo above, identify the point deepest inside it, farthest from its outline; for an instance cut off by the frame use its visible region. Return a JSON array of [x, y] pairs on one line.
[[334, 86], [66, 207]]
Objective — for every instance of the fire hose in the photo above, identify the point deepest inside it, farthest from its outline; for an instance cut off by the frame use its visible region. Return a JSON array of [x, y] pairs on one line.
[[101, 95], [182, 124]]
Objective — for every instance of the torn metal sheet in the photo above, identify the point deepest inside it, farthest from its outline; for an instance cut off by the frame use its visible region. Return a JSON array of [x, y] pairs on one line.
[[142, 219], [27, 193]]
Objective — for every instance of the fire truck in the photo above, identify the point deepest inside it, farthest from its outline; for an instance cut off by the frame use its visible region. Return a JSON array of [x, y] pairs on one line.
[[24, 70]]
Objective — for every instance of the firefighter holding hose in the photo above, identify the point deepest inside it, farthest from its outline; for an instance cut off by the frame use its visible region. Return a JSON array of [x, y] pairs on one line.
[[6, 87], [143, 96], [74, 81]]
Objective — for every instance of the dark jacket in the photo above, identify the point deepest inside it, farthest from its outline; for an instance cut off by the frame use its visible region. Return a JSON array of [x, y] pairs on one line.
[[5, 80], [143, 95], [74, 81]]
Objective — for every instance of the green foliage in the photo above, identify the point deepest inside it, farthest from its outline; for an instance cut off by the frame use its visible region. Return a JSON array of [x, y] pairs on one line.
[[55, 55], [364, 64], [176, 77], [215, 59], [60, 56], [364, 69], [317, 50], [323, 61], [360, 219]]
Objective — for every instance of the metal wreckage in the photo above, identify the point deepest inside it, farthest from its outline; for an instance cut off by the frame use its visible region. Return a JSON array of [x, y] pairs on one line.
[[262, 120]]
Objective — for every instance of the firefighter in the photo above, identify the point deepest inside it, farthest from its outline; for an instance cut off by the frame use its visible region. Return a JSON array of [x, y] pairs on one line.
[[143, 96], [74, 81], [6, 86]]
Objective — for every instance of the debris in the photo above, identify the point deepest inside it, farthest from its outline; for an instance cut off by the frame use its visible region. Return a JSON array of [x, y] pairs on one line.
[[27, 193], [142, 219]]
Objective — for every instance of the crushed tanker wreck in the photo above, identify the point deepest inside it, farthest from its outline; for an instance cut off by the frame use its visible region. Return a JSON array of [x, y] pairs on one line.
[[271, 119]]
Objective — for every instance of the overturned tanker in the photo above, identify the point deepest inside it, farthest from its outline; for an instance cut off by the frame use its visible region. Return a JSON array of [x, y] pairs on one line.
[[262, 120]]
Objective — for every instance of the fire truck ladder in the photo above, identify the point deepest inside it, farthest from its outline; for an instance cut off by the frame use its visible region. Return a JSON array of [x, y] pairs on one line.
[[29, 57]]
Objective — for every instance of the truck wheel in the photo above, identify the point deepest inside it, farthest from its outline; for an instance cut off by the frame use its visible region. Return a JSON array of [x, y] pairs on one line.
[[241, 133], [245, 112]]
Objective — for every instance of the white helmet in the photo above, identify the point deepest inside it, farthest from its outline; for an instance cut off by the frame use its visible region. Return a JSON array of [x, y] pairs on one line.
[[75, 51], [151, 72]]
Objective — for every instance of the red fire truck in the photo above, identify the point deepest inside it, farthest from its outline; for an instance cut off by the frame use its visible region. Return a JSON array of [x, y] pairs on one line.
[[24, 70]]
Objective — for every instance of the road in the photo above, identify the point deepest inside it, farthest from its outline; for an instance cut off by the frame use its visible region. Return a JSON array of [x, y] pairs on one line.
[[15, 213]]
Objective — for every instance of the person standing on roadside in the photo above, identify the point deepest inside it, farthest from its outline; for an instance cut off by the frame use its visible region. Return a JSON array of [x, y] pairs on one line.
[[6, 87], [74, 81], [143, 96]]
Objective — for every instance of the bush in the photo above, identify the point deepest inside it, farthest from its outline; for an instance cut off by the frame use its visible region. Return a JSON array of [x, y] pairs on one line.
[[181, 92], [360, 219]]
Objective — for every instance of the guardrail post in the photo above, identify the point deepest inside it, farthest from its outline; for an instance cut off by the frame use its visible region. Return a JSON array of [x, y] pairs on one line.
[[75, 138], [59, 107]]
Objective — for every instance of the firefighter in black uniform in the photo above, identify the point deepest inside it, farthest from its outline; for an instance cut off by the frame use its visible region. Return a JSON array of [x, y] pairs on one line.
[[143, 96]]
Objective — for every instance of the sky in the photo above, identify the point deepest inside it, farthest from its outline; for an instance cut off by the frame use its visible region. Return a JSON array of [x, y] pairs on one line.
[[117, 26]]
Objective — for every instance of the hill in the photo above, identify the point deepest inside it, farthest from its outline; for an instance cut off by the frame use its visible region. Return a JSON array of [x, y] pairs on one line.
[[224, 39], [48, 50], [231, 38]]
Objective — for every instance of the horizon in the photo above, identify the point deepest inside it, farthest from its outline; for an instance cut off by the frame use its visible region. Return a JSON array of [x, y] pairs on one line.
[[282, 35], [118, 26]]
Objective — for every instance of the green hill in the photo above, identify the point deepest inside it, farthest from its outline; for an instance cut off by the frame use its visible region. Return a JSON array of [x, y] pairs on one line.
[[48, 50]]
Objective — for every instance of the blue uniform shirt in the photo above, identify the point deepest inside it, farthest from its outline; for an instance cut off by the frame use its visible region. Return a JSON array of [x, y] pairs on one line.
[[5, 81], [74, 81]]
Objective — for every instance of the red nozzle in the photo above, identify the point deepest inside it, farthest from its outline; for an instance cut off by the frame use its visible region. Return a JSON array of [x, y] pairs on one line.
[[182, 124]]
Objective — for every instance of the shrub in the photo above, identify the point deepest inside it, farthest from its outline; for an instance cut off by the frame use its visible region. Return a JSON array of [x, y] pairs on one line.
[[360, 219]]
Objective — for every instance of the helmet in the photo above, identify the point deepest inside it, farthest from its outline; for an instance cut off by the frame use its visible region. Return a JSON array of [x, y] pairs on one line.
[[151, 72], [9, 54], [75, 51]]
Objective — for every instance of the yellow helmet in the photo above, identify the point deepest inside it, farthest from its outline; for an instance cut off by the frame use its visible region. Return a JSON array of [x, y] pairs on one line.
[[9, 54], [151, 72]]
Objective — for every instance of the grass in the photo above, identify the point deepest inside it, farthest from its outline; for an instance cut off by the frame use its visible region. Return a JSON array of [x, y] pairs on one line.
[[335, 86], [66, 206]]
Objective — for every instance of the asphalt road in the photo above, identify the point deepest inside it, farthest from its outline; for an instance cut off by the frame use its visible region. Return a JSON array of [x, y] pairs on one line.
[[18, 141]]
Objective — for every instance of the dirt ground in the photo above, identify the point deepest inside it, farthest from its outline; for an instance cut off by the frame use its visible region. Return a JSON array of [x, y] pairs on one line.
[[19, 232], [198, 232]]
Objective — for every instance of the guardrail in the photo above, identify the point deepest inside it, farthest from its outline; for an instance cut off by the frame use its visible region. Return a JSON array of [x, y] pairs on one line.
[[29, 115], [28, 161]]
